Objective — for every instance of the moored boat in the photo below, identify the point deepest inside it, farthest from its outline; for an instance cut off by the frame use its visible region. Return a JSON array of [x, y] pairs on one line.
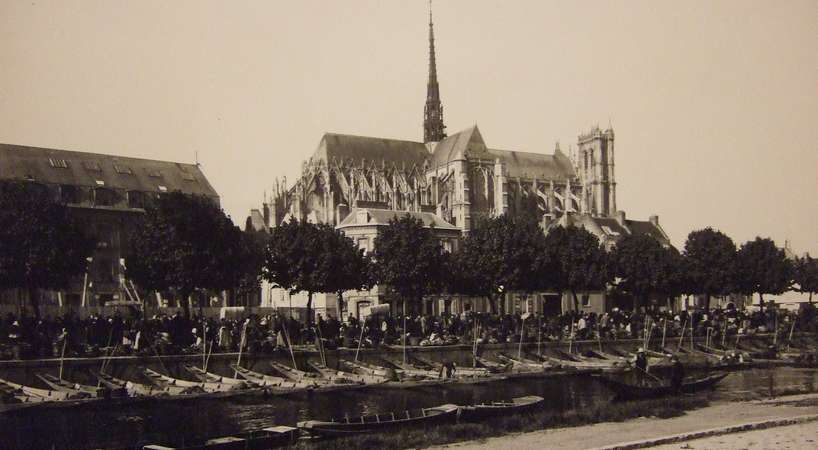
[[214, 378], [46, 394], [339, 376], [379, 422], [68, 386], [459, 370], [521, 363], [361, 367], [494, 409], [165, 380], [295, 374], [632, 391], [493, 366], [135, 389]]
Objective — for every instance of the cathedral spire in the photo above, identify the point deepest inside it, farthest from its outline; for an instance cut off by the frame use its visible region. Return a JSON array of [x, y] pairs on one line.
[[433, 128]]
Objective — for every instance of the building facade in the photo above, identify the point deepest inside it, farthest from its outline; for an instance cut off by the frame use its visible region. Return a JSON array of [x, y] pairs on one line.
[[107, 194]]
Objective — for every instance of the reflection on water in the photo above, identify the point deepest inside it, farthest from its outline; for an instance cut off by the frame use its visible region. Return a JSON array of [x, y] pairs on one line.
[[94, 426]]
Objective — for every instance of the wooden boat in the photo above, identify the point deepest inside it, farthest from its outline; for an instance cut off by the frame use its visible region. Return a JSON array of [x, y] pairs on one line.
[[67, 386], [494, 409], [408, 370], [342, 377], [493, 366], [272, 382], [271, 437], [211, 377], [363, 368], [460, 370], [9, 395], [379, 422], [164, 380], [295, 374], [630, 391], [46, 394], [141, 390], [575, 362], [521, 363]]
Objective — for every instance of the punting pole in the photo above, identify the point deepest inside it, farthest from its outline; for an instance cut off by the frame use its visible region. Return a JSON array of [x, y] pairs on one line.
[[775, 336], [571, 338], [290, 345], [84, 287], [241, 347], [598, 336], [664, 332], [792, 329], [539, 333], [404, 331], [62, 353], [474, 343], [361, 338], [522, 333], [691, 334], [682, 337]]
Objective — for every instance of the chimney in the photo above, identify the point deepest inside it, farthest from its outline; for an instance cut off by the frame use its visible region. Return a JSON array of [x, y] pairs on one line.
[[620, 218], [654, 220]]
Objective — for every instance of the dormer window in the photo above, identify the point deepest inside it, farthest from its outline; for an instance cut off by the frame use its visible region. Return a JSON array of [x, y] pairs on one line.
[[58, 163], [162, 188], [123, 170], [155, 173], [362, 216], [609, 231], [187, 176], [92, 166], [100, 183]]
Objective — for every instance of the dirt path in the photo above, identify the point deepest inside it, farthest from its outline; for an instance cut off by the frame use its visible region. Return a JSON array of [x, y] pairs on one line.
[[793, 437], [609, 433]]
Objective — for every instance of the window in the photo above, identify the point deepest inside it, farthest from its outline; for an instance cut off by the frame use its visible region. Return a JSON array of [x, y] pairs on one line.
[[123, 170], [363, 244], [92, 166], [447, 245], [105, 197], [586, 300], [58, 163], [136, 199]]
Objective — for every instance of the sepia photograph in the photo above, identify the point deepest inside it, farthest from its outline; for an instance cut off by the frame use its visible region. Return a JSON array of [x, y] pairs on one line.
[[408, 224]]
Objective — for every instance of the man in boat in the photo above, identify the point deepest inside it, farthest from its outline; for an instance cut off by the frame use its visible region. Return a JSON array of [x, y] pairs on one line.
[[641, 364], [677, 374]]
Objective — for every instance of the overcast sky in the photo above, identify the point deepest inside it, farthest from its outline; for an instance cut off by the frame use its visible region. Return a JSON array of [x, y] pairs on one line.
[[714, 103]]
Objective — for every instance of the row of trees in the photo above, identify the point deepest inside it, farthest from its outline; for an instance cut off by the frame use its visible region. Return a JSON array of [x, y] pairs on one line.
[[186, 244]]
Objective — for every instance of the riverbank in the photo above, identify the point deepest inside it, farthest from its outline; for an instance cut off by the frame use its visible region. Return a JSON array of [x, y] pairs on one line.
[[612, 434]]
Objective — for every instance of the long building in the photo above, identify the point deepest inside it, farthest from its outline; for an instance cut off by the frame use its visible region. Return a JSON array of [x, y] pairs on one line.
[[106, 193], [453, 180]]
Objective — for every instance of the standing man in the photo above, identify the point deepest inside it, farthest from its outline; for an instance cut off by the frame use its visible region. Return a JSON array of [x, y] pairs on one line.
[[677, 374], [641, 364]]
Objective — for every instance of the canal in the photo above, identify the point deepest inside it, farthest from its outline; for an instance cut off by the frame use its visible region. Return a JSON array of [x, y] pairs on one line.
[[185, 420]]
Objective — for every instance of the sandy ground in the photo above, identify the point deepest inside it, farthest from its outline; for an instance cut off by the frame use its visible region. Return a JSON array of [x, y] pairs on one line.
[[793, 437], [610, 433]]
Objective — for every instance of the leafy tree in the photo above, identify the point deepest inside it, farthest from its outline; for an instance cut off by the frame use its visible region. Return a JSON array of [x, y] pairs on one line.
[[185, 243], [42, 245], [576, 261], [644, 267], [348, 268], [762, 268], [806, 275], [502, 254], [710, 262], [253, 244], [409, 259], [312, 258]]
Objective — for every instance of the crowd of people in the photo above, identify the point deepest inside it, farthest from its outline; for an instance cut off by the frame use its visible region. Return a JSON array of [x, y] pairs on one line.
[[68, 335]]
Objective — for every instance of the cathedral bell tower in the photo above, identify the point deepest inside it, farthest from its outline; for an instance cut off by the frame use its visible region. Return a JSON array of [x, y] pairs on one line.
[[595, 164], [433, 128]]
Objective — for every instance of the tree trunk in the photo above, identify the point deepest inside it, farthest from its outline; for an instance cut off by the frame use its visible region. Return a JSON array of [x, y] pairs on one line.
[[186, 303], [810, 298], [33, 298], [636, 301], [492, 303], [576, 300], [340, 304], [309, 308], [707, 302]]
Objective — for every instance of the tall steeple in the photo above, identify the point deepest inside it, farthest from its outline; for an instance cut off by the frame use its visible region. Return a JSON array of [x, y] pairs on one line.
[[433, 128]]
